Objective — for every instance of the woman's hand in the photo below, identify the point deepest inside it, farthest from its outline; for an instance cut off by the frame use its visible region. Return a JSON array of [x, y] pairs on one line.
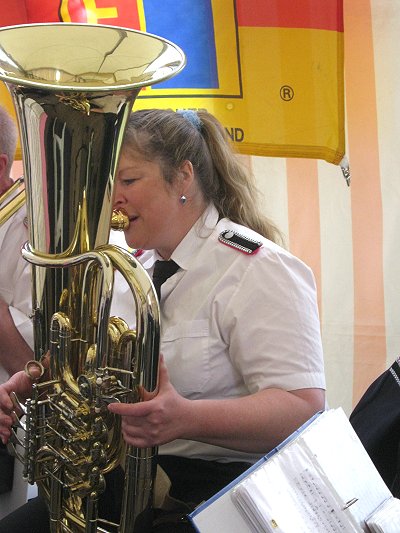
[[156, 420]]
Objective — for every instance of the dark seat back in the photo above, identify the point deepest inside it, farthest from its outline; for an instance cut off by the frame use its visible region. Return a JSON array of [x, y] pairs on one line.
[[376, 420]]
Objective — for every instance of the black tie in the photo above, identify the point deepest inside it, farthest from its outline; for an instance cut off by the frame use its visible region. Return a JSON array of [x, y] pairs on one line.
[[162, 271]]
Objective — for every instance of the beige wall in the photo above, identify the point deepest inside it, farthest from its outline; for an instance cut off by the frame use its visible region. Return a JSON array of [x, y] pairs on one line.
[[350, 235]]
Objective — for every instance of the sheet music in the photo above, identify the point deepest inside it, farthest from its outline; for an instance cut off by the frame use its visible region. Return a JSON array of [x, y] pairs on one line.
[[290, 495], [323, 481], [346, 465], [319, 480]]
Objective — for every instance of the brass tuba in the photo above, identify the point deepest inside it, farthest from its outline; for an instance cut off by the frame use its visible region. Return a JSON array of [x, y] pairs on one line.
[[73, 87]]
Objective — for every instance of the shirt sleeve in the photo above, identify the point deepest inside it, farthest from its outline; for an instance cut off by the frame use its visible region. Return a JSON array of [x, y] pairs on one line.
[[273, 324], [15, 277], [24, 325]]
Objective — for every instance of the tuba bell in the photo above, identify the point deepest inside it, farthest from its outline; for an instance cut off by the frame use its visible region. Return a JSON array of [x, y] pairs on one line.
[[73, 87]]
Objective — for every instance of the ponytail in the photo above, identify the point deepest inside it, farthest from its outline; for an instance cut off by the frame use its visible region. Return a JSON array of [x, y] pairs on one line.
[[238, 197]]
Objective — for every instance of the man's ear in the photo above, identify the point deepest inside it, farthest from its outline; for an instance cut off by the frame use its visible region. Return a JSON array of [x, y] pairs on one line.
[[5, 180], [3, 166], [3, 173]]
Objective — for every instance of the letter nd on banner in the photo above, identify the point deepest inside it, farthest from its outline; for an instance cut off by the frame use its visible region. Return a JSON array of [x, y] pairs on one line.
[[270, 70]]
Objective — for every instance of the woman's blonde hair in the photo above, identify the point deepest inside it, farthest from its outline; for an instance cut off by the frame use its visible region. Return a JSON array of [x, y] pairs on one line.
[[174, 137]]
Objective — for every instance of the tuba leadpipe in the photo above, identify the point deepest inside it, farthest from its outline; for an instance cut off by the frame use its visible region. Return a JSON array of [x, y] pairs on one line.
[[73, 87]]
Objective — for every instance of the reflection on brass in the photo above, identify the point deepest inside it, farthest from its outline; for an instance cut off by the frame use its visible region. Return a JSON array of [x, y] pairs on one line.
[[76, 101], [73, 86]]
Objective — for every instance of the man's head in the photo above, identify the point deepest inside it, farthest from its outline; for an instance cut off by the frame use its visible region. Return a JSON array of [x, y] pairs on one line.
[[8, 144]]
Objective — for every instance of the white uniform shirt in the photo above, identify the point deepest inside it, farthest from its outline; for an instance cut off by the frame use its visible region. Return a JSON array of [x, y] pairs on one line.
[[233, 324], [15, 277]]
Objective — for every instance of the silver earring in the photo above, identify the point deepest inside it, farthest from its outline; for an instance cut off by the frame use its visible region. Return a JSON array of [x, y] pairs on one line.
[[183, 199]]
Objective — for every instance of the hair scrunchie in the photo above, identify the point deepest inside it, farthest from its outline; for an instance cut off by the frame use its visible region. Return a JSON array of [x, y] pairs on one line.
[[192, 117]]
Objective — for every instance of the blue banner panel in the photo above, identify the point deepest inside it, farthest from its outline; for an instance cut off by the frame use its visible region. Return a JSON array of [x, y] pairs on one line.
[[190, 25]]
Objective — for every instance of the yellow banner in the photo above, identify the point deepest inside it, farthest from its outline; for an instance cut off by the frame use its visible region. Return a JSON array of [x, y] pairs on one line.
[[280, 89], [270, 70]]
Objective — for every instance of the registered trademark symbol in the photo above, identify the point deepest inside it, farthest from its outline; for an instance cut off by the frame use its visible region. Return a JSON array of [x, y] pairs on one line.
[[287, 93]]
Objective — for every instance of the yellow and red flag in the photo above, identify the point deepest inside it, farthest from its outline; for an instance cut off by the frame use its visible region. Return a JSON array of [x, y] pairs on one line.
[[270, 70]]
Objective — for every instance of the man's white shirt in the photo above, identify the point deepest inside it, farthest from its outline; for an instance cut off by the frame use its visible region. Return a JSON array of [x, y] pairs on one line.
[[15, 277]]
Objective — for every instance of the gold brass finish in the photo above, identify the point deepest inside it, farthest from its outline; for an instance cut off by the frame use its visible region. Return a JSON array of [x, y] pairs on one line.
[[73, 86], [11, 201], [119, 221]]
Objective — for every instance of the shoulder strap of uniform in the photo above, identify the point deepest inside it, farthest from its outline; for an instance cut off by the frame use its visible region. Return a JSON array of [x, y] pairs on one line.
[[240, 242]]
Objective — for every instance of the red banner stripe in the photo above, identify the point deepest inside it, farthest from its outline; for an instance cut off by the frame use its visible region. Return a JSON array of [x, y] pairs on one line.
[[291, 14], [13, 13]]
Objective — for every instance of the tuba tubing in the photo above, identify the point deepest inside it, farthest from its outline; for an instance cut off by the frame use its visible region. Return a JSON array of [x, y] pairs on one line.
[[73, 87], [9, 206]]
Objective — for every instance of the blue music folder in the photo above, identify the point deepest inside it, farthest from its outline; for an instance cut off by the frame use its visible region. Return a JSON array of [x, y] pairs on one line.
[[319, 479]]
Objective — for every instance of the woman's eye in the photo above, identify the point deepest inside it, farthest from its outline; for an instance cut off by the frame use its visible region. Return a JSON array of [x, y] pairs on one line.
[[128, 181]]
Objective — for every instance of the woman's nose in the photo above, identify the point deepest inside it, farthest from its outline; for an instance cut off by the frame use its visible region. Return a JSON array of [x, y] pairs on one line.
[[118, 196]]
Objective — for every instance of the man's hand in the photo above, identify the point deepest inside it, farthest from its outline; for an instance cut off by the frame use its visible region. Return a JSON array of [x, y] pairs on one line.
[[21, 384]]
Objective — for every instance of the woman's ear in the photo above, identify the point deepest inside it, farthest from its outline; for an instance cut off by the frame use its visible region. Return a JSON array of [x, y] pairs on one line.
[[186, 175]]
